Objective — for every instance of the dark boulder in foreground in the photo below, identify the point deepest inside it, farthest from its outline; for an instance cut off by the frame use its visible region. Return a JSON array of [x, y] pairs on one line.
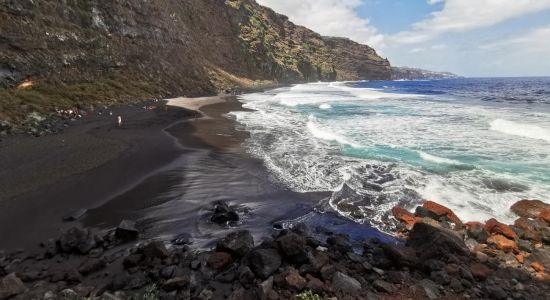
[[474, 261], [237, 243], [293, 246], [264, 262], [431, 241], [344, 283]]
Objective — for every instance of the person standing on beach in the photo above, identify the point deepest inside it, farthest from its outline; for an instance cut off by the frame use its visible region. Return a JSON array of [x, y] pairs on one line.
[[119, 121]]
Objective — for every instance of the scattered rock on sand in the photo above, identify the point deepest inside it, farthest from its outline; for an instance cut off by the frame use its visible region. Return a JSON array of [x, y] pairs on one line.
[[75, 215], [223, 214], [77, 240], [127, 231]]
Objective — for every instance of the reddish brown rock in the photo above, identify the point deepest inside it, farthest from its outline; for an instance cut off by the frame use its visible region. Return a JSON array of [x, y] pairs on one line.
[[495, 227], [473, 223], [404, 216], [532, 229], [502, 243], [480, 271], [314, 284], [545, 216], [319, 261], [219, 260], [537, 267], [529, 208], [294, 281], [452, 269], [441, 211], [520, 258], [477, 231]]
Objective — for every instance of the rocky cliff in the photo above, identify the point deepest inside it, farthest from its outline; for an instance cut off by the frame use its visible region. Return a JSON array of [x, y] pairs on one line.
[[406, 73], [71, 53]]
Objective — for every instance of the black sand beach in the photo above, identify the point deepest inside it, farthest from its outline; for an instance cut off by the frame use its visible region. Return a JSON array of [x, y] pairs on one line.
[[169, 171], [162, 168], [44, 179]]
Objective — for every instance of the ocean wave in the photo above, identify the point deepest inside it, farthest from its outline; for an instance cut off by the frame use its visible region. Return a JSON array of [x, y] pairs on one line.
[[437, 159], [520, 129], [326, 134], [467, 167], [325, 106], [373, 94]]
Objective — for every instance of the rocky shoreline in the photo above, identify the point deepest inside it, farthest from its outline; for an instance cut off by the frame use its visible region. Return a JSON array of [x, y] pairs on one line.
[[440, 257]]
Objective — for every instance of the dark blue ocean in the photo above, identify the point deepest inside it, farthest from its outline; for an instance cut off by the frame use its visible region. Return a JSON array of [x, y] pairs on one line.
[[475, 145]]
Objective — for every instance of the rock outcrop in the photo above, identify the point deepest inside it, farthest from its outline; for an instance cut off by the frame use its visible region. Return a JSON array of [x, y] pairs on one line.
[[68, 54], [406, 73]]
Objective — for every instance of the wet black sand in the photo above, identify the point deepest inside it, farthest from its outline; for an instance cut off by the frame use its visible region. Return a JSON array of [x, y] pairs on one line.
[[164, 171]]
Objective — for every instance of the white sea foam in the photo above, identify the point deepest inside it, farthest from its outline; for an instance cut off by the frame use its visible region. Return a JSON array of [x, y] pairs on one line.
[[326, 134], [304, 150], [325, 106], [520, 129], [437, 159]]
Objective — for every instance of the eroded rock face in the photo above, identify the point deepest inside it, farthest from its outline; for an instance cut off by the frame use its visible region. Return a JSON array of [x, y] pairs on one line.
[[173, 47]]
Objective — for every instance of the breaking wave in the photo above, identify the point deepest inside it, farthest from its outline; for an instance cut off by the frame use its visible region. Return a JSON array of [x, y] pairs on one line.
[[520, 129]]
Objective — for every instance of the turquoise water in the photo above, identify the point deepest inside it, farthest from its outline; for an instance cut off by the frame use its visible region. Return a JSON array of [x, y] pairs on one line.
[[475, 145]]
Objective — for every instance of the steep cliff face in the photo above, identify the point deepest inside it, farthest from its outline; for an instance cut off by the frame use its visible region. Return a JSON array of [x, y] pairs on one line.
[[63, 53]]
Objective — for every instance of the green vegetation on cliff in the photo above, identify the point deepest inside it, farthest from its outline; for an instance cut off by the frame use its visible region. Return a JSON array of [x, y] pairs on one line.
[[75, 53]]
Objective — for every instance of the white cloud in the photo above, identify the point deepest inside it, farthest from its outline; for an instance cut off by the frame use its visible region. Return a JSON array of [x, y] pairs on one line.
[[329, 17], [536, 40], [465, 15]]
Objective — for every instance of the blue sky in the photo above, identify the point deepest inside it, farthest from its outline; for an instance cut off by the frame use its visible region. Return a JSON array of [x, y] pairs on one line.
[[468, 37]]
